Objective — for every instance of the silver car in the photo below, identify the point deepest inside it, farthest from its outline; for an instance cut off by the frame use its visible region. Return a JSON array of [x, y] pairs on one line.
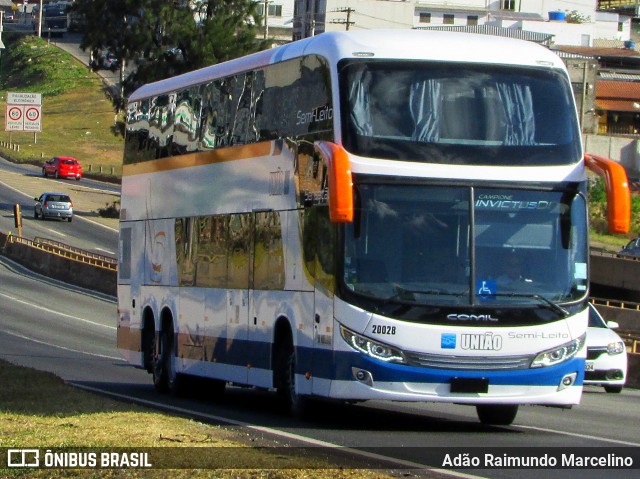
[[53, 205]]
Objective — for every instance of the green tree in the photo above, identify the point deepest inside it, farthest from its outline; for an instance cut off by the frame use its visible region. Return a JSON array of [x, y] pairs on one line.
[[160, 38], [575, 16]]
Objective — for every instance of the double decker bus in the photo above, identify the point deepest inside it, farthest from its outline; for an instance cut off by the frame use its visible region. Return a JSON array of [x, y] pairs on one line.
[[375, 215]]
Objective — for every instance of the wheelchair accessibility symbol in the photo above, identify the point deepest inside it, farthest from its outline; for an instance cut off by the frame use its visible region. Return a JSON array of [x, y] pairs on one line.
[[486, 288]]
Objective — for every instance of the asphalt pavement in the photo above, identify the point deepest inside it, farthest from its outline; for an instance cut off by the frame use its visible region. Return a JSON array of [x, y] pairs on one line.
[[86, 200]]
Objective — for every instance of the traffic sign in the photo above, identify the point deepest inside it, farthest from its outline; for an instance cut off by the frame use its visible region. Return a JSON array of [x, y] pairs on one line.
[[24, 112], [24, 98], [32, 116]]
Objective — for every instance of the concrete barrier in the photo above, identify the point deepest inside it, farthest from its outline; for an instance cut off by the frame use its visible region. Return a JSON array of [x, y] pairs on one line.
[[61, 268], [628, 319], [612, 272], [633, 371]]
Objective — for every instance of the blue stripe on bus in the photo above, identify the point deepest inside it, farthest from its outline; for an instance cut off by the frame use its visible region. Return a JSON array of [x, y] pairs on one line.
[[381, 371], [329, 364]]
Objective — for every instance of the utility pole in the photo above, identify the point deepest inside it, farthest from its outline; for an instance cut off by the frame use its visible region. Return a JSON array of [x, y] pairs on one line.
[[39, 20], [347, 22], [266, 18]]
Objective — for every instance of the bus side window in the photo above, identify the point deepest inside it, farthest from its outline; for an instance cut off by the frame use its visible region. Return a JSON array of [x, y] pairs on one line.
[[220, 112], [186, 250], [238, 251], [319, 240], [211, 266], [257, 95], [242, 106], [268, 271]]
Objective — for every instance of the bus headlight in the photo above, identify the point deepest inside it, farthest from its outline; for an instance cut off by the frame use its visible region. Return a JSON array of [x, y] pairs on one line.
[[559, 354], [372, 348]]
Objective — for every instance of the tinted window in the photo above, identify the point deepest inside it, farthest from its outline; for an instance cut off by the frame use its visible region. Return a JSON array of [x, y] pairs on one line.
[[60, 198], [458, 113], [269, 252], [287, 99], [431, 247]]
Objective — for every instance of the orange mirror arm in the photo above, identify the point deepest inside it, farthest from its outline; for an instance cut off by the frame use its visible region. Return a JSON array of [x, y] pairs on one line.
[[618, 193], [340, 181]]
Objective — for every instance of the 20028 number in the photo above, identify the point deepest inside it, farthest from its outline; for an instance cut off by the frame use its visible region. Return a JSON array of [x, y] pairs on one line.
[[380, 329]]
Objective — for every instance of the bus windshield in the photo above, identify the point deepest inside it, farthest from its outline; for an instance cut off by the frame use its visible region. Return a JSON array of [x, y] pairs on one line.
[[458, 113], [418, 246]]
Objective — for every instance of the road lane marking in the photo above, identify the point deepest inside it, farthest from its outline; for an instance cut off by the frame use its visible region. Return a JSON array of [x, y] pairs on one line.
[[42, 308], [76, 216], [55, 232], [64, 348], [275, 432], [582, 436]]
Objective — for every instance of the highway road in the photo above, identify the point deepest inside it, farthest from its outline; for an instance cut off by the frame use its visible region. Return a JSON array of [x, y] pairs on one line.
[[54, 327], [62, 329], [71, 332], [20, 184]]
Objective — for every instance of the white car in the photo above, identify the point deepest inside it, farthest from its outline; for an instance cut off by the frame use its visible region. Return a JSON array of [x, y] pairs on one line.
[[606, 354]]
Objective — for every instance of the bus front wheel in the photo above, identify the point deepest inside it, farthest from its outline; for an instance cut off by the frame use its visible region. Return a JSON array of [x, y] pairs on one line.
[[497, 414], [290, 400]]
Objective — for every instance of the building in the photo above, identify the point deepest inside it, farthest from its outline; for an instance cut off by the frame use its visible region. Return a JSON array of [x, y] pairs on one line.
[[617, 87], [618, 104], [569, 22], [279, 19]]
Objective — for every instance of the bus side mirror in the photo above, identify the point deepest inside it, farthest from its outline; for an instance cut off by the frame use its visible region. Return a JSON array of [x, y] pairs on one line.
[[339, 179], [618, 194]]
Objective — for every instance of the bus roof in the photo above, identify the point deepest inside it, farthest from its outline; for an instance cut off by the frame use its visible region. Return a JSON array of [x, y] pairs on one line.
[[387, 44]]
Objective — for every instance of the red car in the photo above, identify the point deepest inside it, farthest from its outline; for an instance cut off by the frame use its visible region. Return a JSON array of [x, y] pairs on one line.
[[62, 167]]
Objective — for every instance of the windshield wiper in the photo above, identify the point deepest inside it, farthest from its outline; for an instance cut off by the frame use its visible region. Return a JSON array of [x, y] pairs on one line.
[[406, 296], [553, 306]]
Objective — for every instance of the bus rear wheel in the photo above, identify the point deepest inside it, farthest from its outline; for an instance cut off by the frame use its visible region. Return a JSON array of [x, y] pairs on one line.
[[497, 414], [165, 378]]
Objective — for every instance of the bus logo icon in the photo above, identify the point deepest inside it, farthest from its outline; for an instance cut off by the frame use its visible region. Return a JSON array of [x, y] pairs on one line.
[[23, 458], [448, 341]]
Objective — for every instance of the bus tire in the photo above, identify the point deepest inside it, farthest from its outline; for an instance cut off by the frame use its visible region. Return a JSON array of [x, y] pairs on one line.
[[613, 389], [497, 414], [165, 378], [217, 388], [290, 400], [148, 344]]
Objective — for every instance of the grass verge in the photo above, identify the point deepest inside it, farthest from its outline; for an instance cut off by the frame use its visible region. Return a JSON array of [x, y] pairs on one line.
[[38, 410]]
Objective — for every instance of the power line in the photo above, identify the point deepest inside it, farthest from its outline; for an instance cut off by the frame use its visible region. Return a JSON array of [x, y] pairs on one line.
[[347, 22]]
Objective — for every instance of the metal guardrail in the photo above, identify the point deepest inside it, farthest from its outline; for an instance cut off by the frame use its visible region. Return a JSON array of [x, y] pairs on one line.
[[612, 254], [67, 251], [616, 303], [631, 341]]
